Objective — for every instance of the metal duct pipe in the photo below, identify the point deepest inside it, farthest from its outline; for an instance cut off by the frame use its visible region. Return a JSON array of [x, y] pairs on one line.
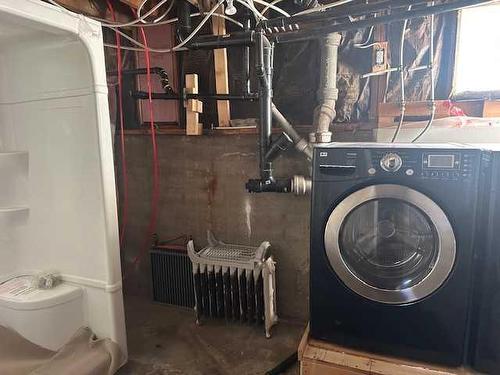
[[328, 93], [300, 143]]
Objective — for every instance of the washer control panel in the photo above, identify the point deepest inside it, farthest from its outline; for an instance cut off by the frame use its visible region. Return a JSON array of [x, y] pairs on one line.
[[391, 162], [417, 162]]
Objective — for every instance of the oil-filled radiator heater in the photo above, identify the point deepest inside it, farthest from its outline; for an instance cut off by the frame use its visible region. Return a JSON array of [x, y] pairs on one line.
[[234, 282]]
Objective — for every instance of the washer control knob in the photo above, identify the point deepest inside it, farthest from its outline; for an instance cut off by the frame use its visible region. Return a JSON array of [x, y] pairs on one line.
[[391, 162]]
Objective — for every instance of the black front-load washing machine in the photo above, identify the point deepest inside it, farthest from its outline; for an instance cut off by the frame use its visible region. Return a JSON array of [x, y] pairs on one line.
[[392, 239]]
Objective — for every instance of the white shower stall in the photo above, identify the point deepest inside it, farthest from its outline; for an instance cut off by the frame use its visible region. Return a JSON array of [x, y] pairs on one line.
[[57, 182]]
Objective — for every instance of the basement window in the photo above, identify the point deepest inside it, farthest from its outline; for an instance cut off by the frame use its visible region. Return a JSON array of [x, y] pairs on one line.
[[477, 72]]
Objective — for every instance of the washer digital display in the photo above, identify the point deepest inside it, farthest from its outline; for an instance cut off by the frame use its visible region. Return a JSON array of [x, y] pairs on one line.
[[441, 161]]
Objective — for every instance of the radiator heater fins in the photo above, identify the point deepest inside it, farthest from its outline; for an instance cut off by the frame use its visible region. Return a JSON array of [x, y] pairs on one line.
[[235, 294], [235, 283], [222, 298], [172, 276]]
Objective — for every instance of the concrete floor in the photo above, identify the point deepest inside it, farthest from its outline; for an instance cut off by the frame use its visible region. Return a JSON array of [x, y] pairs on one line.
[[166, 340]]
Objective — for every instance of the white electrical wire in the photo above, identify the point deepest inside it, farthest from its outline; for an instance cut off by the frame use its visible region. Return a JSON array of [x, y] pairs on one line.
[[151, 11], [322, 8], [200, 25], [166, 22], [269, 5], [252, 8], [272, 6], [178, 47], [141, 5], [367, 43], [175, 19]]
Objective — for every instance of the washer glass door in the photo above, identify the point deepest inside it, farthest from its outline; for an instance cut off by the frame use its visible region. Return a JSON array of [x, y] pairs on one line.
[[390, 243]]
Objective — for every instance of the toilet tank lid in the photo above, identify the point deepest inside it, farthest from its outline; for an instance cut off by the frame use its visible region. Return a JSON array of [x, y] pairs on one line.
[[18, 294]]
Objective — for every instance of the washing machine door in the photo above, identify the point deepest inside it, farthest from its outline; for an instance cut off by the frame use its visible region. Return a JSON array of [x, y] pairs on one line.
[[390, 244]]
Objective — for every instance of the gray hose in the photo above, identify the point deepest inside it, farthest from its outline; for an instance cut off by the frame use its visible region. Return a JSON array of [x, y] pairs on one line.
[[432, 93], [402, 79]]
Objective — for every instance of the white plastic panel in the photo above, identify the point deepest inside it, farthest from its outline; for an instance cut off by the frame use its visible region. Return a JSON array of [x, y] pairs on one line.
[[14, 177], [54, 110]]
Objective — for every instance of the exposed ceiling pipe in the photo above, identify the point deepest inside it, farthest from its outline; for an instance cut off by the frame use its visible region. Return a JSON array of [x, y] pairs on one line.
[[300, 143], [184, 26], [324, 114], [290, 30]]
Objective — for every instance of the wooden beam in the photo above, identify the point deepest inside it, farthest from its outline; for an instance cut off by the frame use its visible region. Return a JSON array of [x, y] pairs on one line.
[[221, 72], [193, 107], [389, 113]]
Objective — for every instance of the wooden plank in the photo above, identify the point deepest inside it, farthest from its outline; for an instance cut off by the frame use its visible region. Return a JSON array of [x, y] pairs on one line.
[[221, 71], [491, 108], [389, 113], [303, 343], [321, 358], [193, 107], [317, 368], [192, 83]]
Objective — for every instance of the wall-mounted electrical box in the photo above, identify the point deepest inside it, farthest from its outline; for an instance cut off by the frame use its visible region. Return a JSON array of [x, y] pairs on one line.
[[380, 56]]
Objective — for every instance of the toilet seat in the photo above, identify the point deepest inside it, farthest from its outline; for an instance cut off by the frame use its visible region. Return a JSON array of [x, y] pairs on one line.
[[18, 294], [46, 317]]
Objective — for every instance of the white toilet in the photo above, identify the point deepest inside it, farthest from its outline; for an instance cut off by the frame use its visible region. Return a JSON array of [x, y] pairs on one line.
[[48, 318]]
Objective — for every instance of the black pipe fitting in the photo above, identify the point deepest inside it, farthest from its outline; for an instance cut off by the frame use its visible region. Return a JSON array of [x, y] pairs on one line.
[[162, 74], [184, 26], [242, 38], [337, 23], [264, 69], [280, 145], [269, 186], [167, 96]]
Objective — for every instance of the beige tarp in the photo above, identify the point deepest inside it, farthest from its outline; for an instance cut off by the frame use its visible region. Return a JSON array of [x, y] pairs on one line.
[[82, 355]]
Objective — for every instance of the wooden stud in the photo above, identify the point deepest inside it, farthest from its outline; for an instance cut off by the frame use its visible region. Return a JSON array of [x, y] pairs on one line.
[[221, 71], [193, 107], [192, 83]]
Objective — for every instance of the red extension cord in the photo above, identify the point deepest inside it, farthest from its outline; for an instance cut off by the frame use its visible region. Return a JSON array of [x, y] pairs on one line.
[[156, 170], [124, 206]]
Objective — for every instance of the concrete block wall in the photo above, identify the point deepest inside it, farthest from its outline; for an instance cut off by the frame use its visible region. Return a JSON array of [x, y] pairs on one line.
[[203, 187]]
